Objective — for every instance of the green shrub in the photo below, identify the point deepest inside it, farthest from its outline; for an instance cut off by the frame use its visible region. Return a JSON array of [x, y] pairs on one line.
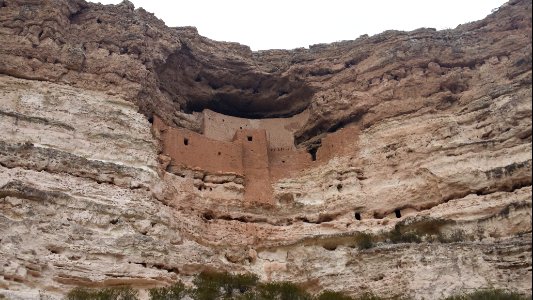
[[119, 293], [397, 235], [210, 285], [490, 294], [281, 291], [364, 241], [331, 295], [456, 236], [369, 296], [173, 292]]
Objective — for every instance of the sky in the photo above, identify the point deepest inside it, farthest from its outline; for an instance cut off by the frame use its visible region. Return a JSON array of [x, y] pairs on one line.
[[288, 24]]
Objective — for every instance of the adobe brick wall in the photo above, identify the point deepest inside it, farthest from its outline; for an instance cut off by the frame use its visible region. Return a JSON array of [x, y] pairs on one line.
[[200, 151], [286, 163], [337, 143], [249, 152], [258, 188], [279, 131]]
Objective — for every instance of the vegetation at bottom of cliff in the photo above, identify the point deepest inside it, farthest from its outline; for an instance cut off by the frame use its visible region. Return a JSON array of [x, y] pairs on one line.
[[118, 293], [175, 291], [225, 286], [216, 285], [489, 294]]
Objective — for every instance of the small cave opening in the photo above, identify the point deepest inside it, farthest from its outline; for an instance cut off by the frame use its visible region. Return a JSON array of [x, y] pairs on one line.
[[208, 215], [357, 216], [330, 247], [397, 213], [339, 187], [98, 21], [185, 141], [249, 138], [151, 119], [313, 151]]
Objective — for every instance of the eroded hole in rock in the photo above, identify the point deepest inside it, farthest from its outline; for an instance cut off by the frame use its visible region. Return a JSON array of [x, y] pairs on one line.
[[98, 21], [151, 120], [397, 213], [113, 221], [357, 216], [324, 218], [339, 187], [313, 151], [330, 247], [208, 215]]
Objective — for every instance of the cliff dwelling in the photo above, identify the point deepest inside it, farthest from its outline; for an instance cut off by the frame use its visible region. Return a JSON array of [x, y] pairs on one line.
[[260, 151], [133, 154]]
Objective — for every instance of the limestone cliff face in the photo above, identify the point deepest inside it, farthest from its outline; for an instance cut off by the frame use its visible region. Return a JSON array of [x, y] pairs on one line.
[[426, 131]]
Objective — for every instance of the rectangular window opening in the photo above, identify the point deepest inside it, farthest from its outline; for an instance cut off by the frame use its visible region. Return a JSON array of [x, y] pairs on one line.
[[185, 141], [249, 138]]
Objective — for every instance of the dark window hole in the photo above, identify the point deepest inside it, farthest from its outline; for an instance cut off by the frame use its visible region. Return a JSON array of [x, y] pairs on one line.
[[357, 216], [219, 153], [185, 141], [330, 247], [208, 215], [312, 151], [249, 138], [397, 213]]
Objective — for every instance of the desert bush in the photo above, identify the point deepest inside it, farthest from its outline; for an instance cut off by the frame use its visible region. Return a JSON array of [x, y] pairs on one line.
[[211, 285], [281, 291], [364, 241], [397, 235], [331, 295], [456, 236], [489, 294], [369, 296], [173, 292], [118, 293]]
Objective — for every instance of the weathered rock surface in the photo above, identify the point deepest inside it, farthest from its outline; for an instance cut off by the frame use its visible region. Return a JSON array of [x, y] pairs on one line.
[[445, 140]]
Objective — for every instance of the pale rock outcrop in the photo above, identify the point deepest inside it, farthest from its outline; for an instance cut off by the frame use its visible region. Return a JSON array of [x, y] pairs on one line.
[[443, 146]]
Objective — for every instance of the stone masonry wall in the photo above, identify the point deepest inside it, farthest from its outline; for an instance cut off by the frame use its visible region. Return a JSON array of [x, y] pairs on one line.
[[279, 131]]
